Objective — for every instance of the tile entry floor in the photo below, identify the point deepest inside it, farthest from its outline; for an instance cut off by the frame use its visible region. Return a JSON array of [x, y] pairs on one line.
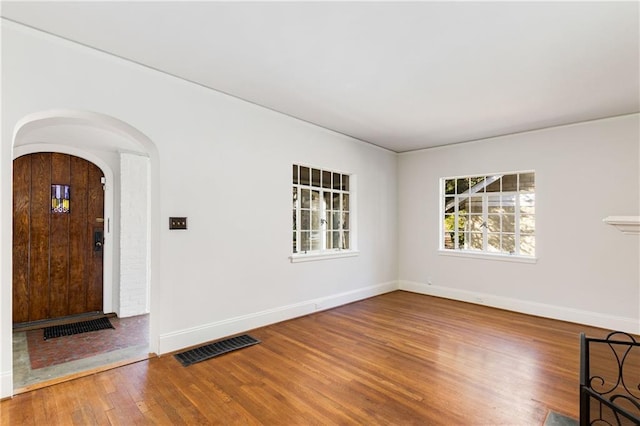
[[37, 360]]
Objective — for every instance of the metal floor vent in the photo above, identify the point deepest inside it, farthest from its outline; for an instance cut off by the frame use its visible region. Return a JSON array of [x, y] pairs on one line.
[[77, 328], [211, 350]]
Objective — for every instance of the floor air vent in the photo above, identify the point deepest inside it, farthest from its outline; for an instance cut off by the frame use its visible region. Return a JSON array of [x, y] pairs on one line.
[[77, 328], [214, 349]]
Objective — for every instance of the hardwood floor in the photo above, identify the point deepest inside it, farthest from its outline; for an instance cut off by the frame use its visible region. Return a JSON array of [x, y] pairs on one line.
[[400, 358]]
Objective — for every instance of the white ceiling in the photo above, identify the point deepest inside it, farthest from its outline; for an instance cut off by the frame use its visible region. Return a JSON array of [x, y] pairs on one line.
[[403, 76]]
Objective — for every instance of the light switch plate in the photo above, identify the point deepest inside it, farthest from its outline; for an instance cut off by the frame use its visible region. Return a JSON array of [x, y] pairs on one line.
[[177, 223]]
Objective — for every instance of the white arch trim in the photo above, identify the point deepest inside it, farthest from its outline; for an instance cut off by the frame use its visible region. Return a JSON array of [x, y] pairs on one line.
[[64, 116]]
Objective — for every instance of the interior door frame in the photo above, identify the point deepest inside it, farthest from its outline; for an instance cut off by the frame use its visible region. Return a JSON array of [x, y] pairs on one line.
[[108, 248]]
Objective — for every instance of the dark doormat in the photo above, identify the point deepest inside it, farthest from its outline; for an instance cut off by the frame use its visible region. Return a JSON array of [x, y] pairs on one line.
[[77, 328], [211, 350], [557, 419]]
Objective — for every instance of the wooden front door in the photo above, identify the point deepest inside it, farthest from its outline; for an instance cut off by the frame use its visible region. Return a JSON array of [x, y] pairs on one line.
[[57, 244]]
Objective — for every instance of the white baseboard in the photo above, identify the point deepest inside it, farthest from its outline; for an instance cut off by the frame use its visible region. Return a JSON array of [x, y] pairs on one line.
[[6, 384], [595, 319], [181, 339]]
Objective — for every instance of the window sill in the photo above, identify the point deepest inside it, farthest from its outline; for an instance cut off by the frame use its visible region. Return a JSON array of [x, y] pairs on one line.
[[488, 256], [326, 255]]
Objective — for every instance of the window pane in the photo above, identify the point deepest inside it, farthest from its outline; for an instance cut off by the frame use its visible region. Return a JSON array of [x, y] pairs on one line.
[[508, 203], [449, 204], [462, 185], [315, 200], [448, 240], [305, 220], [493, 242], [493, 204], [336, 201], [528, 245], [463, 222], [464, 205], [463, 241], [450, 186], [336, 220], [335, 240], [345, 202], [328, 235], [345, 220], [305, 241], [295, 196], [527, 224], [295, 247], [295, 223], [326, 179], [316, 240], [476, 204], [527, 203], [449, 221], [508, 243], [477, 184], [345, 182], [304, 175], [476, 241], [295, 173], [305, 199], [315, 220], [336, 181], [327, 200], [345, 240], [527, 182], [493, 223], [509, 183], [508, 223], [476, 222], [495, 185], [315, 177]]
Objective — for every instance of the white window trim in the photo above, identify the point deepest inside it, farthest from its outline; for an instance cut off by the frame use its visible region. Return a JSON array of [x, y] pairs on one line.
[[478, 254], [328, 254], [473, 254], [324, 255]]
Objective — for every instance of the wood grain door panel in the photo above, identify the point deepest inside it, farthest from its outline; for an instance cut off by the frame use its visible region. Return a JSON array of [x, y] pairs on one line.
[[56, 273], [21, 227], [78, 237], [95, 221], [59, 243], [40, 212]]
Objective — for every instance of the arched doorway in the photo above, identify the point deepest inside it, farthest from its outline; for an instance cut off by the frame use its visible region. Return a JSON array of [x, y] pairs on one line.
[[104, 141]]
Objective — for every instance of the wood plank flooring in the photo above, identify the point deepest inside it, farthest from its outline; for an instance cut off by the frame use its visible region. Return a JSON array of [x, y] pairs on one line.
[[396, 359]]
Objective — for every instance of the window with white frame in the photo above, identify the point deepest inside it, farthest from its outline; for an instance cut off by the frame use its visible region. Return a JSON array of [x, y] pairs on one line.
[[493, 214], [320, 210]]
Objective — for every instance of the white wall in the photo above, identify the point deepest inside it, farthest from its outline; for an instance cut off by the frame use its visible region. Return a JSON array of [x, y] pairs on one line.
[[587, 271], [223, 163], [134, 235]]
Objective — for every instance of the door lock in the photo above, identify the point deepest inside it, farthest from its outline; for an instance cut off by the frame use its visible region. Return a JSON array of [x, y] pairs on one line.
[[98, 240]]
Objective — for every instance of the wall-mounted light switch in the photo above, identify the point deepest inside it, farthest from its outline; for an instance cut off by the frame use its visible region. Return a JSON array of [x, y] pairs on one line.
[[177, 223]]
